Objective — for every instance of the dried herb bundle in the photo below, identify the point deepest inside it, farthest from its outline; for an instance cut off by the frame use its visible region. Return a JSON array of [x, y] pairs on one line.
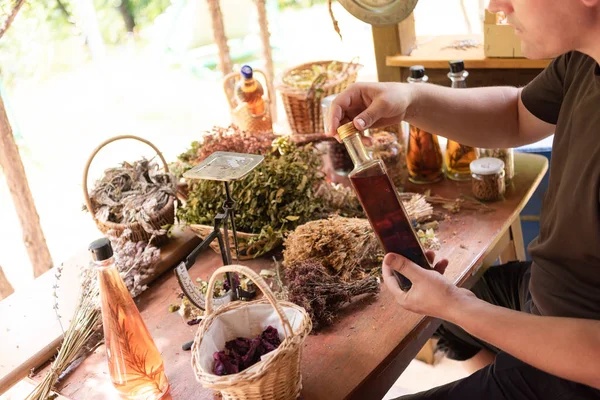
[[322, 295], [275, 198], [218, 138], [132, 193], [346, 247]]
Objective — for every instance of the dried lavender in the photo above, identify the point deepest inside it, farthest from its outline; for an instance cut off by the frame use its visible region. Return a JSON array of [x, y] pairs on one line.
[[135, 261], [322, 295]]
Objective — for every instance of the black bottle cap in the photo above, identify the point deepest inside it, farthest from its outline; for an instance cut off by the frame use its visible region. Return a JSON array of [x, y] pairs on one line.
[[101, 249], [457, 66], [417, 71]]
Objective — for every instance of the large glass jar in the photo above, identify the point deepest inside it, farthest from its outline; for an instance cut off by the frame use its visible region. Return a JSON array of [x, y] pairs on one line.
[[506, 155], [488, 179], [385, 146]]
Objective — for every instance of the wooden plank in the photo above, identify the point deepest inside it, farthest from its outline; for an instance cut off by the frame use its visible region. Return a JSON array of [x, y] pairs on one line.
[[29, 330], [16, 179], [407, 35], [363, 354], [386, 41], [22, 389], [433, 52]]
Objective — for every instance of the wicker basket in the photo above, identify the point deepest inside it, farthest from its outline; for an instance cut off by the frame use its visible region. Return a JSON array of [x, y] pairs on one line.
[[277, 376], [166, 216], [247, 251], [303, 107]]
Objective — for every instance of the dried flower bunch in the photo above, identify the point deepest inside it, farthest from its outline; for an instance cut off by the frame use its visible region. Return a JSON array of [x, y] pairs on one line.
[[322, 295], [132, 193]]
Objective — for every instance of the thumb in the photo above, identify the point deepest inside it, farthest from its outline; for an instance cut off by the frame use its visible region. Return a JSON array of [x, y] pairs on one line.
[[368, 117], [403, 265]]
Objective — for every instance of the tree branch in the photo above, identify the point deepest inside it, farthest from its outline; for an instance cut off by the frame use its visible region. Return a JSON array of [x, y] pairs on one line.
[[11, 17]]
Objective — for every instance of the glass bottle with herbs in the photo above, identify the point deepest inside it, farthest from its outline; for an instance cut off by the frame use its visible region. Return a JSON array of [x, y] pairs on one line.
[[381, 203], [134, 363], [506, 155], [385, 146], [458, 156], [423, 157]]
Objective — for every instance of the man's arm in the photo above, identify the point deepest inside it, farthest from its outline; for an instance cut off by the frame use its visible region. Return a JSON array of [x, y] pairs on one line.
[[489, 117], [565, 347]]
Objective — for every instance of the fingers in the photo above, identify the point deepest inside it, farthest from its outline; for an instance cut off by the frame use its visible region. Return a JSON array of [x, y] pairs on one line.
[[403, 265], [347, 105], [368, 117], [441, 266], [390, 281]]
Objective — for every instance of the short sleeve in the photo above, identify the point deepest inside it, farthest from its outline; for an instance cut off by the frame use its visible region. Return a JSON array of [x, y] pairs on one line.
[[543, 96]]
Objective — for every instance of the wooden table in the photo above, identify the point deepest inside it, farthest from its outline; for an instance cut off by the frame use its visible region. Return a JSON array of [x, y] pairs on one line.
[[362, 355]]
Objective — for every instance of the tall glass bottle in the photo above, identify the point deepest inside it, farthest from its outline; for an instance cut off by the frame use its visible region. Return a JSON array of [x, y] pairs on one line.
[[381, 204], [423, 156], [458, 157], [250, 91], [134, 363]]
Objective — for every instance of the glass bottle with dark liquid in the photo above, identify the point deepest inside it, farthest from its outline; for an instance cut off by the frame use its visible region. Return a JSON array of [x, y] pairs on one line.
[[134, 363], [458, 157], [424, 158], [381, 204]]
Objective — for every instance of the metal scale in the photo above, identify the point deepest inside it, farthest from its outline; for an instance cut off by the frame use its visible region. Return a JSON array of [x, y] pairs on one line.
[[225, 167]]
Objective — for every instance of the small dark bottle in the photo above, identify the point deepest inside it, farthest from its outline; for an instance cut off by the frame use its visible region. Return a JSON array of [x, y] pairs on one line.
[[381, 204]]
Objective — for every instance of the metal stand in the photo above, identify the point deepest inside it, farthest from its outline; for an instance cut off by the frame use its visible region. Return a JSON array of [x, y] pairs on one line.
[[220, 222]]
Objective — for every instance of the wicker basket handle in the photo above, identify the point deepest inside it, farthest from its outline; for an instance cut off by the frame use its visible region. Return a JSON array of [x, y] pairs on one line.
[[86, 169], [233, 103], [260, 282]]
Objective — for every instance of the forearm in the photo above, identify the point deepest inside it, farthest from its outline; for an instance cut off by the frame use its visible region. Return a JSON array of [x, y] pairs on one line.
[[565, 347], [480, 117]]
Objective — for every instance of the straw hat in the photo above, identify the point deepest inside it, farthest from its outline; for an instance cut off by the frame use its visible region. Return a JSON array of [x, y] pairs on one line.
[[380, 12]]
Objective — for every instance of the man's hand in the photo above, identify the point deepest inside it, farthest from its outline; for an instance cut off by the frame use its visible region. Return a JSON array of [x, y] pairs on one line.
[[431, 293], [369, 105]]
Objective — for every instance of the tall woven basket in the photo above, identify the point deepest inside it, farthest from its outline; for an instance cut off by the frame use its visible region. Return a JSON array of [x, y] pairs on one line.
[[277, 376], [303, 107], [166, 216]]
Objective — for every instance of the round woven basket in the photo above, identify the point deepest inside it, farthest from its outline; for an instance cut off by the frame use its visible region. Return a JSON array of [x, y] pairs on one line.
[[277, 376], [166, 216], [247, 251], [303, 107]]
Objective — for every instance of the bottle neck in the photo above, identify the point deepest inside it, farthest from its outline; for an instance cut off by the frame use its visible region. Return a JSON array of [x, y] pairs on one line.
[[356, 150], [459, 79], [424, 79], [104, 264]]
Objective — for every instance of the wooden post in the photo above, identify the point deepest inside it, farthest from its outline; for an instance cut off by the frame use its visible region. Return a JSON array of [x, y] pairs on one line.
[[221, 40], [10, 161], [267, 54], [6, 288], [393, 40]]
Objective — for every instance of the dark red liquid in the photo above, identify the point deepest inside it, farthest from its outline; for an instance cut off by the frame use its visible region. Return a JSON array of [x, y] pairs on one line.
[[387, 217]]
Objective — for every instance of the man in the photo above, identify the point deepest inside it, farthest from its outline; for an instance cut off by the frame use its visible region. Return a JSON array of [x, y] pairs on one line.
[[531, 330]]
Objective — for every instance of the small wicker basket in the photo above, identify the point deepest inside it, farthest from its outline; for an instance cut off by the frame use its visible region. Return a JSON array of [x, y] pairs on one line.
[[166, 216], [303, 107], [277, 376]]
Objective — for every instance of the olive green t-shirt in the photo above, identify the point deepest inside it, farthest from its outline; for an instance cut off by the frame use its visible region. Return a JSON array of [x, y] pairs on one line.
[[565, 274]]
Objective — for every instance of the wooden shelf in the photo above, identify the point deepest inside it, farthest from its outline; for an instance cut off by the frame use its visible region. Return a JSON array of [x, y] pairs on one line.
[[433, 52]]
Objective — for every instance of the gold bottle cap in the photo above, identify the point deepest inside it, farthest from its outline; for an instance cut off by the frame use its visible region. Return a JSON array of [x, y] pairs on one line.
[[346, 130]]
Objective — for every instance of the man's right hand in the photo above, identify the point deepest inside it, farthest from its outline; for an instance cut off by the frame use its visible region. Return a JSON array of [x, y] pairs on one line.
[[370, 105]]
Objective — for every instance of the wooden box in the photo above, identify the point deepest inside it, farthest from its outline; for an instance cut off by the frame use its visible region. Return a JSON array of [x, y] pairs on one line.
[[499, 39]]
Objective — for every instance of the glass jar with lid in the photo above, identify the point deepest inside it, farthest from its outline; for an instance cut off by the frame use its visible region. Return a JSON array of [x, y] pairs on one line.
[[488, 179]]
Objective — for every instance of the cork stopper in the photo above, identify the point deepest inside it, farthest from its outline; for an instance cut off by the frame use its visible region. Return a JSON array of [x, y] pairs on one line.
[[346, 130]]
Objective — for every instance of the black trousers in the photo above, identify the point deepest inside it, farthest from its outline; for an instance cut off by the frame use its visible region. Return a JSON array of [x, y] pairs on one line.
[[507, 378]]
